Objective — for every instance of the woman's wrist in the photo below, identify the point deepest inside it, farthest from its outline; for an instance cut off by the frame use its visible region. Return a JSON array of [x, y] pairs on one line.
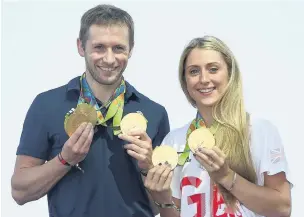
[[162, 197], [229, 180]]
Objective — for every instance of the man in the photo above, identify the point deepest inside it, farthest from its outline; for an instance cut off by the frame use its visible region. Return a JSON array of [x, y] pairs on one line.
[[111, 184]]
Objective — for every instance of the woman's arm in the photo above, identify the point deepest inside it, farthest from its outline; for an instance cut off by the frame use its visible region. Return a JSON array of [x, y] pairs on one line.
[[271, 200], [158, 183]]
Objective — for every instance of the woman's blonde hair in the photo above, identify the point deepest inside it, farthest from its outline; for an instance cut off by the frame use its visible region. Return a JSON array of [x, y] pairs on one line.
[[233, 135]]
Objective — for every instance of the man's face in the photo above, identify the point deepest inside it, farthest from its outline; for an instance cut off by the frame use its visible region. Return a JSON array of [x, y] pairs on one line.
[[106, 52]]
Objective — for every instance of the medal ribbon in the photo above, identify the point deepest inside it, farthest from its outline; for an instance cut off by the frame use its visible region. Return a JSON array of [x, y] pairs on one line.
[[218, 207], [114, 105], [197, 123]]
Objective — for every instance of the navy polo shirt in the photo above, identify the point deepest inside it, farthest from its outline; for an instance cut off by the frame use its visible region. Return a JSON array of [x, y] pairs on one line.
[[111, 184]]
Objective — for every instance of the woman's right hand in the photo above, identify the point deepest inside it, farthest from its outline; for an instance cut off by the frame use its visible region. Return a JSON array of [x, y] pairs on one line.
[[158, 183]]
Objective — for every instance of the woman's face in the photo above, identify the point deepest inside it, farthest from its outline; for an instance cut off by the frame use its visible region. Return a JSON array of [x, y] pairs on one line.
[[206, 75]]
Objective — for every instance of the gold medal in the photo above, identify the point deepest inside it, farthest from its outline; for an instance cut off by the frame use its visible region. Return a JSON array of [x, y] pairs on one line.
[[133, 121], [201, 138], [165, 153], [83, 113]]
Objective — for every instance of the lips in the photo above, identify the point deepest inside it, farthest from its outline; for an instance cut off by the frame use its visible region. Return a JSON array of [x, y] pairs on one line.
[[206, 90], [107, 69]]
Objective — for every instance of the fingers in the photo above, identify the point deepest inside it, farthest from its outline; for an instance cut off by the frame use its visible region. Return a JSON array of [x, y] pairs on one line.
[[136, 149], [75, 136], [216, 155], [212, 159], [158, 173], [137, 156], [151, 174], [219, 152], [159, 178], [136, 136], [142, 134], [134, 140], [169, 180], [204, 160], [164, 176], [87, 143], [82, 139]]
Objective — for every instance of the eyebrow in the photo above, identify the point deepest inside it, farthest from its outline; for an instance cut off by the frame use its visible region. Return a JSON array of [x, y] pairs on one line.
[[208, 64], [117, 45]]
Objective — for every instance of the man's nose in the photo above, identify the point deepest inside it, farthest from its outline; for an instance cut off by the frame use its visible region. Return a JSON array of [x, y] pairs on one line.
[[109, 57]]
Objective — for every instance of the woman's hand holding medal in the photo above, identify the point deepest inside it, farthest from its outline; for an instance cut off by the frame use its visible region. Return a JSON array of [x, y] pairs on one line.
[[202, 144], [159, 178]]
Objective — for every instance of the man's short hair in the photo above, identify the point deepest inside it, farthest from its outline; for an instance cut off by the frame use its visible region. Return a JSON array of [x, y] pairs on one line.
[[105, 15]]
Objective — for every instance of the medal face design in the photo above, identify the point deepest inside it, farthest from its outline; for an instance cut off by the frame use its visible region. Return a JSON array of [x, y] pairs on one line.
[[83, 113], [165, 153], [201, 138], [134, 120]]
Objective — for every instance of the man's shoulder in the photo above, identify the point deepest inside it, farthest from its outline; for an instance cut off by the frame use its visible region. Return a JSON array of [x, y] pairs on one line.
[[53, 97]]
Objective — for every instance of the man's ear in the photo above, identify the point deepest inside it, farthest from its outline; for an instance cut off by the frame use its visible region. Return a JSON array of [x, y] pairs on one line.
[[130, 53], [80, 47]]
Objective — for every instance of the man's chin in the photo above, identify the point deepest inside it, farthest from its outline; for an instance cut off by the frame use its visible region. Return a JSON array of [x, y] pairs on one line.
[[109, 80]]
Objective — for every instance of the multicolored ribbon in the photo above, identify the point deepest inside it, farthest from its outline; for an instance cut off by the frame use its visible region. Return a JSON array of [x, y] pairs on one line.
[[114, 106], [198, 122]]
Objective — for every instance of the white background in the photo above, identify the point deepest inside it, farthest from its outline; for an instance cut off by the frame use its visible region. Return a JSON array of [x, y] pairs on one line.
[[39, 53]]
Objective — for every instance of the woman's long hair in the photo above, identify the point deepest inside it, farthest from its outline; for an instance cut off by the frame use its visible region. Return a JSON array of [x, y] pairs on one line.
[[232, 136]]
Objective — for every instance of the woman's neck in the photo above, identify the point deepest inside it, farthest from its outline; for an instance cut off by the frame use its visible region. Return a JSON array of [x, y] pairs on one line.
[[206, 113]]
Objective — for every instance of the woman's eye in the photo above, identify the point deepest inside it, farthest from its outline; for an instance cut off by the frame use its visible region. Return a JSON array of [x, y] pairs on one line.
[[194, 71], [213, 69]]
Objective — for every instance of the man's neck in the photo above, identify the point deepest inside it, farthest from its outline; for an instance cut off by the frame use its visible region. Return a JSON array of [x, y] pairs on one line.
[[102, 92], [206, 113]]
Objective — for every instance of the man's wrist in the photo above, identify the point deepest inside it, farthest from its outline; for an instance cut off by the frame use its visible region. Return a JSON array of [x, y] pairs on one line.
[[62, 160]]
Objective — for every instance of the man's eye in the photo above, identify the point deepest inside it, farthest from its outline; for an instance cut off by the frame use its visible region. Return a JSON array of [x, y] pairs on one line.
[[99, 47], [119, 49]]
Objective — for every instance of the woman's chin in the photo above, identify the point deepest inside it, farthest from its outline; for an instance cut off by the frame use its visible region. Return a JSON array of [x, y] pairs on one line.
[[206, 103]]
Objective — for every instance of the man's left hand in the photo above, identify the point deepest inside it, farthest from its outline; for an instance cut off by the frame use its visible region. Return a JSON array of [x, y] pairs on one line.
[[139, 147]]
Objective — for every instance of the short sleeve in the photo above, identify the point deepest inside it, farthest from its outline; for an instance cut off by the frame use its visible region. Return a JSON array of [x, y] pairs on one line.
[[34, 135], [273, 159], [175, 184]]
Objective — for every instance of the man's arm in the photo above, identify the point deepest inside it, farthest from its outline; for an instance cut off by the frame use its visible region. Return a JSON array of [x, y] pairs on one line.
[[33, 178]]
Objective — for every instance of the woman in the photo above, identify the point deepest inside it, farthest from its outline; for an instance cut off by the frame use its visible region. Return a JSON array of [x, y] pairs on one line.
[[245, 174]]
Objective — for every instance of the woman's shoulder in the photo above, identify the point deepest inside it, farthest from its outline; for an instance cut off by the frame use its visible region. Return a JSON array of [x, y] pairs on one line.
[[265, 135], [261, 125], [177, 137]]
